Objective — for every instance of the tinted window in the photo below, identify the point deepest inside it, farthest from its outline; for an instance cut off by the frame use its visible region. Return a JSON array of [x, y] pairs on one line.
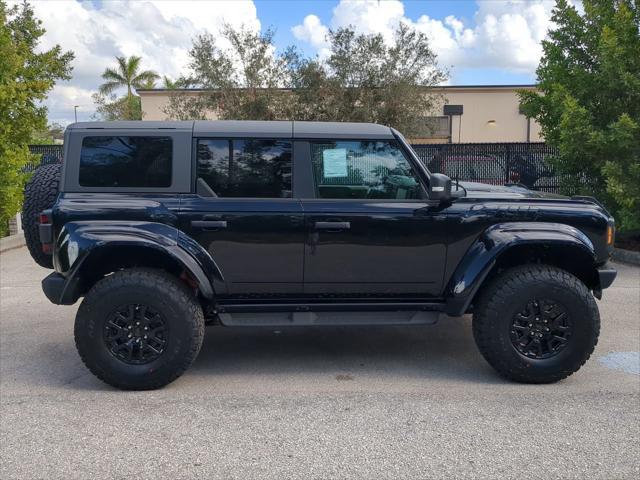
[[366, 169], [126, 162], [246, 168]]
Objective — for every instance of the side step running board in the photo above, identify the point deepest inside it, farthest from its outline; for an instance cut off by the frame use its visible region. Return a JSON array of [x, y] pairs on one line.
[[330, 307], [281, 319]]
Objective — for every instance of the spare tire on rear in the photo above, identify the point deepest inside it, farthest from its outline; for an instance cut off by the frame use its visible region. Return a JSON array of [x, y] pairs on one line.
[[39, 194]]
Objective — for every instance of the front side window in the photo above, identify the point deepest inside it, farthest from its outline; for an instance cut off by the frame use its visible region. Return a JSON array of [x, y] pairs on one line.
[[363, 169], [249, 168], [125, 161]]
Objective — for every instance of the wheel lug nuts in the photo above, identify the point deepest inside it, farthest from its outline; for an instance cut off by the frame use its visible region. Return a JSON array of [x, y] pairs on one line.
[[145, 337], [129, 335], [137, 323]]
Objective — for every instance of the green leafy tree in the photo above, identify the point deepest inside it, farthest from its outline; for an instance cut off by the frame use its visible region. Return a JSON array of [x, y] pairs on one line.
[[363, 79], [244, 82], [27, 74], [588, 102], [112, 107], [51, 134], [126, 75], [370, 80]]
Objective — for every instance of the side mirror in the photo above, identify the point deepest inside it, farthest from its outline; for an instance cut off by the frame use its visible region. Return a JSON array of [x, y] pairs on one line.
[[439, 187]]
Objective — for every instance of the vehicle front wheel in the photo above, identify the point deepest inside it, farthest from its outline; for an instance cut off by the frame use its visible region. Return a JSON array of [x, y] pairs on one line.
[[139, 329], [536, 324]]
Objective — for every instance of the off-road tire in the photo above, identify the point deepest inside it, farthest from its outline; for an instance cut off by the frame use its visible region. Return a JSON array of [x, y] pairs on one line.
[[40, 194], [502, 299], [160, 291]]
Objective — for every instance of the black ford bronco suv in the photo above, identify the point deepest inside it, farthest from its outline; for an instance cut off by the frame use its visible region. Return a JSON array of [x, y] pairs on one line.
[[165, 226]]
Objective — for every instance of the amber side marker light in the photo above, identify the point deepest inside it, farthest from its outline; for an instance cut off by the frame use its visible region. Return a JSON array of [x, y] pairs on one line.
[[610, 231]]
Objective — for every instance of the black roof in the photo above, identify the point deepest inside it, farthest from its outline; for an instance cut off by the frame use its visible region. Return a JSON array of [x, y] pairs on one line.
[[251, 128]]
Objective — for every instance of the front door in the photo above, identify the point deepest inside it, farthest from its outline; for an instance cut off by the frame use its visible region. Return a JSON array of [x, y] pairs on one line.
[[371, 229], [244, 215]]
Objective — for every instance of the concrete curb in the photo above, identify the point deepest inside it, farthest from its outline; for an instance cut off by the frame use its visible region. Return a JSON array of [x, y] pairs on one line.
[[12, 241], [626, 256]]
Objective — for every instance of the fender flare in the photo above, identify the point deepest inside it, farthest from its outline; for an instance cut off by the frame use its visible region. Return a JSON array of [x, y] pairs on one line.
[[81, 242], [483, 254]]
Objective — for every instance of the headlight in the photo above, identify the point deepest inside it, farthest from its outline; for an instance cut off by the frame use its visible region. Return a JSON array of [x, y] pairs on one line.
[[72, 252]]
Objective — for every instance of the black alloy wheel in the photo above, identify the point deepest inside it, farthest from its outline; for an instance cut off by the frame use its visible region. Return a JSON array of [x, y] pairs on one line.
[[136, 334], [541, 330]]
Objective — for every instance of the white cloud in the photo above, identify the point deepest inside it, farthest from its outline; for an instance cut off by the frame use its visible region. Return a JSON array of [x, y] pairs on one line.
[[312, 31], [161, 32], [503, 34]]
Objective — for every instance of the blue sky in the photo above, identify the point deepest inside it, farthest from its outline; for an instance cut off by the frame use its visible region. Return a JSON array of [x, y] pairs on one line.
[[284, 14], [479, 42]]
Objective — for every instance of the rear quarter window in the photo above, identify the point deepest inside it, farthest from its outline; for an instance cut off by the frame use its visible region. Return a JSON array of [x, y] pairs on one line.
[[126, 161]]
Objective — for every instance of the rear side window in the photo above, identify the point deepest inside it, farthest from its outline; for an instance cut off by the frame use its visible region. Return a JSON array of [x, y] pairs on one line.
[[131, 161], [249, 168]]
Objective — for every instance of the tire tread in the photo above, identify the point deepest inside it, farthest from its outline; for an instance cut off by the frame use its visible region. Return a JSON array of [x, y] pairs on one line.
[[488, 308], [40, 193], [155, 279]]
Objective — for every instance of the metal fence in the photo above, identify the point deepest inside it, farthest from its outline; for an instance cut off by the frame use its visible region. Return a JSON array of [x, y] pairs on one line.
[[494, 163], [48, 154]]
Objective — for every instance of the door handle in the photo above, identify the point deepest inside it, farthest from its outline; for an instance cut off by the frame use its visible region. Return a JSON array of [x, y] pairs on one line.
[[209, 223], [332, 225]]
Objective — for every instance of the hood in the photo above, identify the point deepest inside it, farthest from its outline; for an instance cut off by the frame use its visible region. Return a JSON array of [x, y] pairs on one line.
[[484, 190]]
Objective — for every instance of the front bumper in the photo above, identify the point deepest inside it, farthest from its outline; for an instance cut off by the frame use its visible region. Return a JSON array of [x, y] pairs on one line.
[[606, 276], [60, 290]]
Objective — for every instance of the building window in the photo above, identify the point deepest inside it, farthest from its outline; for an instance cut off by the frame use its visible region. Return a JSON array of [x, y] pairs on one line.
[[436, 127]]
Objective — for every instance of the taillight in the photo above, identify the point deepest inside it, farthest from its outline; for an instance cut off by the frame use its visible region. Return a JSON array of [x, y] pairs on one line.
[[45, 230]]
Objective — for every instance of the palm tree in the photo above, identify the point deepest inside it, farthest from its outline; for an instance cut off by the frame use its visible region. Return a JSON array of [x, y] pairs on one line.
[[169, 84], [127, 75]]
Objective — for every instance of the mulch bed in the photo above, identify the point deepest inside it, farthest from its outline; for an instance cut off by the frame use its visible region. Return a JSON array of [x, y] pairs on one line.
[[628, 242]]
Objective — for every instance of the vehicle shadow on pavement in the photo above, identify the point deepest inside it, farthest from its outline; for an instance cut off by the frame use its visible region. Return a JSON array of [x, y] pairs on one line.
[[262, 358], [445, 350]]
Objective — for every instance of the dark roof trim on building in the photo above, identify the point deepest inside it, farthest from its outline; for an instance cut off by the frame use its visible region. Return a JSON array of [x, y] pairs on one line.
[[438, 87]]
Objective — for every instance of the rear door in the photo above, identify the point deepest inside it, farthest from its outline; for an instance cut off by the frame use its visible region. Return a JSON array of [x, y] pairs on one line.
[[244, 215], [370, 228]]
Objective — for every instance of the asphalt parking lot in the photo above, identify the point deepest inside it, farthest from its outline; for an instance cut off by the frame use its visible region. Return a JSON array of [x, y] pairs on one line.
[[414, 402]]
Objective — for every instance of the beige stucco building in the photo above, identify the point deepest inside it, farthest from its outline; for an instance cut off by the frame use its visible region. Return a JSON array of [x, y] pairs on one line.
[[468, 114]]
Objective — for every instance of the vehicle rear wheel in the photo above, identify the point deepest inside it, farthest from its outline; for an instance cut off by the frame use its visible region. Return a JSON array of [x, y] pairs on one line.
[[40, 193], [139, 329], [536, 324]]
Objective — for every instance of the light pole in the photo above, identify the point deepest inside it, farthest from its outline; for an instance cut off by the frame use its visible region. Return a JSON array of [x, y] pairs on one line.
[[75, 112]]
